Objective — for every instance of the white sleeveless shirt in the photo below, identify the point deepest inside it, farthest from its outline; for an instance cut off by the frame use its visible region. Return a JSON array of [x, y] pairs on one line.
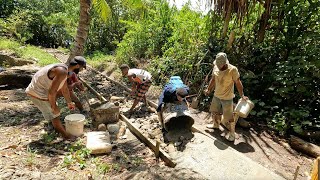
[[141, 74], [41, 83]]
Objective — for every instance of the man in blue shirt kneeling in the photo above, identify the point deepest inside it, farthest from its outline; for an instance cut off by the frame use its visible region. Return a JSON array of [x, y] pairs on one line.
[[171, 94]]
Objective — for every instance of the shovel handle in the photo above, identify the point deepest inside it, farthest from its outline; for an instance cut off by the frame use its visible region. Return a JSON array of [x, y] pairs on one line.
[[87, 100]]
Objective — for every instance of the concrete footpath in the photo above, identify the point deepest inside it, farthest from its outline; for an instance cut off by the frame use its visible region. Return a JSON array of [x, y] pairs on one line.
[[215, 160]]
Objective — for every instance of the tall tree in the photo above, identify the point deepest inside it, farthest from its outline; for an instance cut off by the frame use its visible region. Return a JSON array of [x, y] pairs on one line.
[[264, 20], [241, 8], [84, 23]]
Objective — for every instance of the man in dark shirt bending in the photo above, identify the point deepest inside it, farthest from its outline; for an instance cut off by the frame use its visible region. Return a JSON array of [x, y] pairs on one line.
[[170, 94]]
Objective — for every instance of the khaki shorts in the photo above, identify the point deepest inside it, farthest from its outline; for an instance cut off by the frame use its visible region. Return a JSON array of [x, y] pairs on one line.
[[45, 108], [221, 106]]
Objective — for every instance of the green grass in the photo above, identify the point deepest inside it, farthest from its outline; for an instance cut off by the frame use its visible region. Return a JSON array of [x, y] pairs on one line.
[[27, 52], [99, 60], [63, 50]]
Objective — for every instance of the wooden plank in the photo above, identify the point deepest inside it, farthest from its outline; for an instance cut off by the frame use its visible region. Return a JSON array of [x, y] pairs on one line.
[[109, 79], [315, 170], [163, 155], [101, 98], [157, 149]]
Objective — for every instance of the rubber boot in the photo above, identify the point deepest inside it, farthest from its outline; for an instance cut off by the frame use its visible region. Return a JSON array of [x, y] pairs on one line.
[[232, 133], [216, 122]]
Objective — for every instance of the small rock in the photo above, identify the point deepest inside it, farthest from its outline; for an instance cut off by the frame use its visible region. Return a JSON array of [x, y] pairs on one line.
[[115, 98], [178, 143], [243, 123], [146, 126], [155, 126], [6, 175], [171, 148], [151, 109], [154, 117], [35, 175], [181, 138], [42, 132], [113, 128], [163, 145], [4, 97], [122, 130], [123, 137], [149, 131], [151, 135], [102, 127]]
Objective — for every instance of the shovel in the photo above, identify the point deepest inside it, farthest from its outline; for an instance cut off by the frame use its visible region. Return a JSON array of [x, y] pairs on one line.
[[195, 100], [87, 100], [100, 97]]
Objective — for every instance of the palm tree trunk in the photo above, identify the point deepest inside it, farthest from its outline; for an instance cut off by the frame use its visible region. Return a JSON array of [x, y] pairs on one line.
[[231, 40], [227, 19], [83, 29], [264, 21]]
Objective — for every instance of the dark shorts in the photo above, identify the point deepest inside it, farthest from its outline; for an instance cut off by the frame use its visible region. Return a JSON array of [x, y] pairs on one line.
[[142, 90]]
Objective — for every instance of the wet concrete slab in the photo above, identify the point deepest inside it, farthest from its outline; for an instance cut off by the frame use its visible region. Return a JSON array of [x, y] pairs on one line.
[[215, 160]]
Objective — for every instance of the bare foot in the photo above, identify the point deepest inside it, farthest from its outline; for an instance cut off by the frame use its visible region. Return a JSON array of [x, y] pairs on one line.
[[70, 137]]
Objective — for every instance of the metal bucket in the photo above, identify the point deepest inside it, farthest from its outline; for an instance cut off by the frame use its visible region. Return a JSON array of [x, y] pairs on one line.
[[243, 107], [176, 116]]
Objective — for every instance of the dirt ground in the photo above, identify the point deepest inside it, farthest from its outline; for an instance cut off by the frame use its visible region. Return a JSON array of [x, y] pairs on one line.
[[29, 148]]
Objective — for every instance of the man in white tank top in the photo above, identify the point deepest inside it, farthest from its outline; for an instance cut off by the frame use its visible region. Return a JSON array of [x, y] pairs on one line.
[[141, 81], [44, 87]]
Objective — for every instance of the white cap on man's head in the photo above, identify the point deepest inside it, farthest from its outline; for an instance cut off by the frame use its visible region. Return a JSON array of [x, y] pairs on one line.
[[221, 60]]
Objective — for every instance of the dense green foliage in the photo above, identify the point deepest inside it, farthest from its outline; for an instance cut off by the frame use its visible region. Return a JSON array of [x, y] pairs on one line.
[[46, 23], [280, 74], [279, 66]]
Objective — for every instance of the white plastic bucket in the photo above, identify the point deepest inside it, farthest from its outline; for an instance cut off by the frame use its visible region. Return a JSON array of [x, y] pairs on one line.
[[74, 124], [243, 107]]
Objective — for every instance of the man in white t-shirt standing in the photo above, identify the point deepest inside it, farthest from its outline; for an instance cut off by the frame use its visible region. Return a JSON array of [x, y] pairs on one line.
[[141, 81], [224, 76]]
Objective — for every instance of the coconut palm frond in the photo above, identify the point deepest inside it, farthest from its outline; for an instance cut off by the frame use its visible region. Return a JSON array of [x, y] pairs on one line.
[[135, 4], [103, 9]]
